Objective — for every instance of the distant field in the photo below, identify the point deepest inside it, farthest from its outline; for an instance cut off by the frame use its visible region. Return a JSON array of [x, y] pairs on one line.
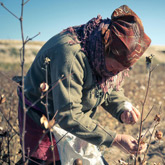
[[9, 51]]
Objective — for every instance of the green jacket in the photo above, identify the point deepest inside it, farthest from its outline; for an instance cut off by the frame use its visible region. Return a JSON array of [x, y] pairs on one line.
[[75, 97]]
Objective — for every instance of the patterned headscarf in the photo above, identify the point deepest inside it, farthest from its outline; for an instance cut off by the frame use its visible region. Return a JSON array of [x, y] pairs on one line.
[[127, 40], [121, 37]]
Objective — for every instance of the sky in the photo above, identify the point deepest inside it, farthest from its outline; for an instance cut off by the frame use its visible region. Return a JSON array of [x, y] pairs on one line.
[[50, 17]]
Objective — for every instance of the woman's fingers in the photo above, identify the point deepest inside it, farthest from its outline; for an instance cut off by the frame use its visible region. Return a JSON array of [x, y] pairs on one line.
[[143, 148], [124, 117], [134, 117], [128, 144], [127, 117], [136, 112], [130, 116]]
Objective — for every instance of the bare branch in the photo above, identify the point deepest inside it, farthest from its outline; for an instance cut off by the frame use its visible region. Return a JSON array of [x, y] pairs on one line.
[[154, 68], [148, 130], [10, 124], [22, 58], [31, 160], [25, 42], [148, 113], [149, 142], [26, 2], [8, 10], [54, 85], [160, 109], [47, 113], [22, 74], [143, 104], [29, 39]]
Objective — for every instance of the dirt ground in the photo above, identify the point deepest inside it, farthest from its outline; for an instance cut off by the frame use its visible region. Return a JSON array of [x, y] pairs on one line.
[[135, 88]]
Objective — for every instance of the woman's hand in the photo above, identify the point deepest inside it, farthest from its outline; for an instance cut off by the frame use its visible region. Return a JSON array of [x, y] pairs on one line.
[[131, 115], [128, 144]]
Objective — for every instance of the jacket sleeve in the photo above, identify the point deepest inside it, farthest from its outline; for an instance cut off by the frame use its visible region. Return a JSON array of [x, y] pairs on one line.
[[115, 103], [67, 99]]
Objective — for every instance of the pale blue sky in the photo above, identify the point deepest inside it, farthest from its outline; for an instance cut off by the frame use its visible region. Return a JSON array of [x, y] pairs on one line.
[[52, 16]]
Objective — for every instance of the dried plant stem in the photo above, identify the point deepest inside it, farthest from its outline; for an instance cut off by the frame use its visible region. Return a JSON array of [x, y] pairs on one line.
[[53, 86], [148, 113], [141, 121], [32, 160], [22, 58], [142, 137], [8, 146], [26, 2], [8, 10], [149, 142], [29, 39], [61, 138], [47, 113], [22, 55], [9, 123]]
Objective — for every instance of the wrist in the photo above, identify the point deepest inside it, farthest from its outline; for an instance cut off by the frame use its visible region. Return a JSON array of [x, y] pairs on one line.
[[117, 140]]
